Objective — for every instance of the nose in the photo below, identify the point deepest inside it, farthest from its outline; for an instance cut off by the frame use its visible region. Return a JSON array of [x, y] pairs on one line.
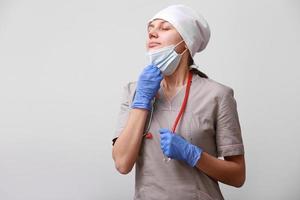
[[152, 33]]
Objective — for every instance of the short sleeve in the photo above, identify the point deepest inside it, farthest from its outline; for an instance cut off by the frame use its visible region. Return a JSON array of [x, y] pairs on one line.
[[123, 113], [228, 131]]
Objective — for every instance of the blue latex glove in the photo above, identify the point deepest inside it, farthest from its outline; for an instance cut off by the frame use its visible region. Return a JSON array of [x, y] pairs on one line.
[[176, 147], [147, 86]]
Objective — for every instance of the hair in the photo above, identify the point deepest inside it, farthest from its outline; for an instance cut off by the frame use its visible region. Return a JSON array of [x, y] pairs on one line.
[[195, 70]]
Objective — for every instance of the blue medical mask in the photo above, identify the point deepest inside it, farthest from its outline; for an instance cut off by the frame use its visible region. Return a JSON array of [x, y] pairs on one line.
[[166, 58]]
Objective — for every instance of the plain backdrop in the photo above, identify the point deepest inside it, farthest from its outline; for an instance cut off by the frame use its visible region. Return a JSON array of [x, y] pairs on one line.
[[62, 68]]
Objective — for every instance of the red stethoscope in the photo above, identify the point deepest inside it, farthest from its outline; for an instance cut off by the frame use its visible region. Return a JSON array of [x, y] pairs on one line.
[[149, 135]]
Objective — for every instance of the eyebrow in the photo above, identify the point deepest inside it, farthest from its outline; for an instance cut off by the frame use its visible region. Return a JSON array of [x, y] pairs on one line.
[[151, 25]]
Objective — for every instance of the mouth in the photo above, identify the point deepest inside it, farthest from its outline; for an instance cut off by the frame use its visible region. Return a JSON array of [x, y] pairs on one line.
[[153, 44]]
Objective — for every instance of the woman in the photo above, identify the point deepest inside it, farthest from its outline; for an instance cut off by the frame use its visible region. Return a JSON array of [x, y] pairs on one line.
[[194, 119]]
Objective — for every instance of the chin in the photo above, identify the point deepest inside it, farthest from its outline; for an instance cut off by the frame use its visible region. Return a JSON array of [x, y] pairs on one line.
[[154, 48]]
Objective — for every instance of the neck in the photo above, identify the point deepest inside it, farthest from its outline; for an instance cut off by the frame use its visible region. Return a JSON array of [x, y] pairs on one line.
[[177, 79]]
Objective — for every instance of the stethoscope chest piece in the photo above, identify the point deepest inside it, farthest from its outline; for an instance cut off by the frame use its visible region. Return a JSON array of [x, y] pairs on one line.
[[148, 135]]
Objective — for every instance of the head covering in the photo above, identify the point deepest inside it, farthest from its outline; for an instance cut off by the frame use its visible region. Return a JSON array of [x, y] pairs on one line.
[[192, 27]]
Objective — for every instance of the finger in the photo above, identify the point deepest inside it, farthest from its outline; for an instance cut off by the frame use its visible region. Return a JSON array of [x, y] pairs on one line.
[[162, 145], [148, 67], [168, 153], [165, 150], [163, 139], [163, 130]]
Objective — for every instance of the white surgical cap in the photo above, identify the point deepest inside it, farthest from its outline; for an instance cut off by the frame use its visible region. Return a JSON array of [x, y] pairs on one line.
[[192, 27]]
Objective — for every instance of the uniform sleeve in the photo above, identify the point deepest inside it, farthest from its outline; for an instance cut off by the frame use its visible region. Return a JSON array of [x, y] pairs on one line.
[[123, 113], [228, 131]]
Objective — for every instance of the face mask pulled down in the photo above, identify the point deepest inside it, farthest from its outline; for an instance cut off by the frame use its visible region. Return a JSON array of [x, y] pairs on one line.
[[166, 58]]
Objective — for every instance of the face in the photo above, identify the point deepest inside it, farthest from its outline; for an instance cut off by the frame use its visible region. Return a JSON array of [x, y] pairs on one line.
[[161, 33]]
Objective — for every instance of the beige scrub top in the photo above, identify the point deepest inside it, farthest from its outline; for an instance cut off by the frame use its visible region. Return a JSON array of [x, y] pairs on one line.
[[210, 121]]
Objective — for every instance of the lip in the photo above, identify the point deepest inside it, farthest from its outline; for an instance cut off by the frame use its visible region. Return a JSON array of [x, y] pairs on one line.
[[153, 44]]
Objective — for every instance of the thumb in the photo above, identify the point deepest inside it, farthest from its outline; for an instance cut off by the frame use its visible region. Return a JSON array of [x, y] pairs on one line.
[[163, 130]]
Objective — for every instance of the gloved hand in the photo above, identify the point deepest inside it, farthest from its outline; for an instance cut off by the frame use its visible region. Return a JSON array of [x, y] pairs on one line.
[[147, 86], [176, 147]]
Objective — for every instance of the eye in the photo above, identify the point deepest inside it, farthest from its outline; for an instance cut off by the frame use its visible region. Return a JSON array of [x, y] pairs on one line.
[[165, 27]]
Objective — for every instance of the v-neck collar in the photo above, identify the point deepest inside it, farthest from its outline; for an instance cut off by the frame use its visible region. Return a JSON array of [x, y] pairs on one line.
[[170, 102]]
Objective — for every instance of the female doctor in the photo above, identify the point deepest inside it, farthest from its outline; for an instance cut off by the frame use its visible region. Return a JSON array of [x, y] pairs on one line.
[[177, 126]]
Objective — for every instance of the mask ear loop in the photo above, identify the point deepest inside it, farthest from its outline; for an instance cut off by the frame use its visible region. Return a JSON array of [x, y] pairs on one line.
[[184, 51], [179, 43], [177, 46]]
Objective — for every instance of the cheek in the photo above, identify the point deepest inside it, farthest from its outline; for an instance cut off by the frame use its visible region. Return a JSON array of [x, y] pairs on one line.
[[170, 38]]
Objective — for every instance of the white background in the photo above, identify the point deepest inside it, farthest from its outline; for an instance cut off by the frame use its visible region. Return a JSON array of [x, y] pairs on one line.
[[62, 68]]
